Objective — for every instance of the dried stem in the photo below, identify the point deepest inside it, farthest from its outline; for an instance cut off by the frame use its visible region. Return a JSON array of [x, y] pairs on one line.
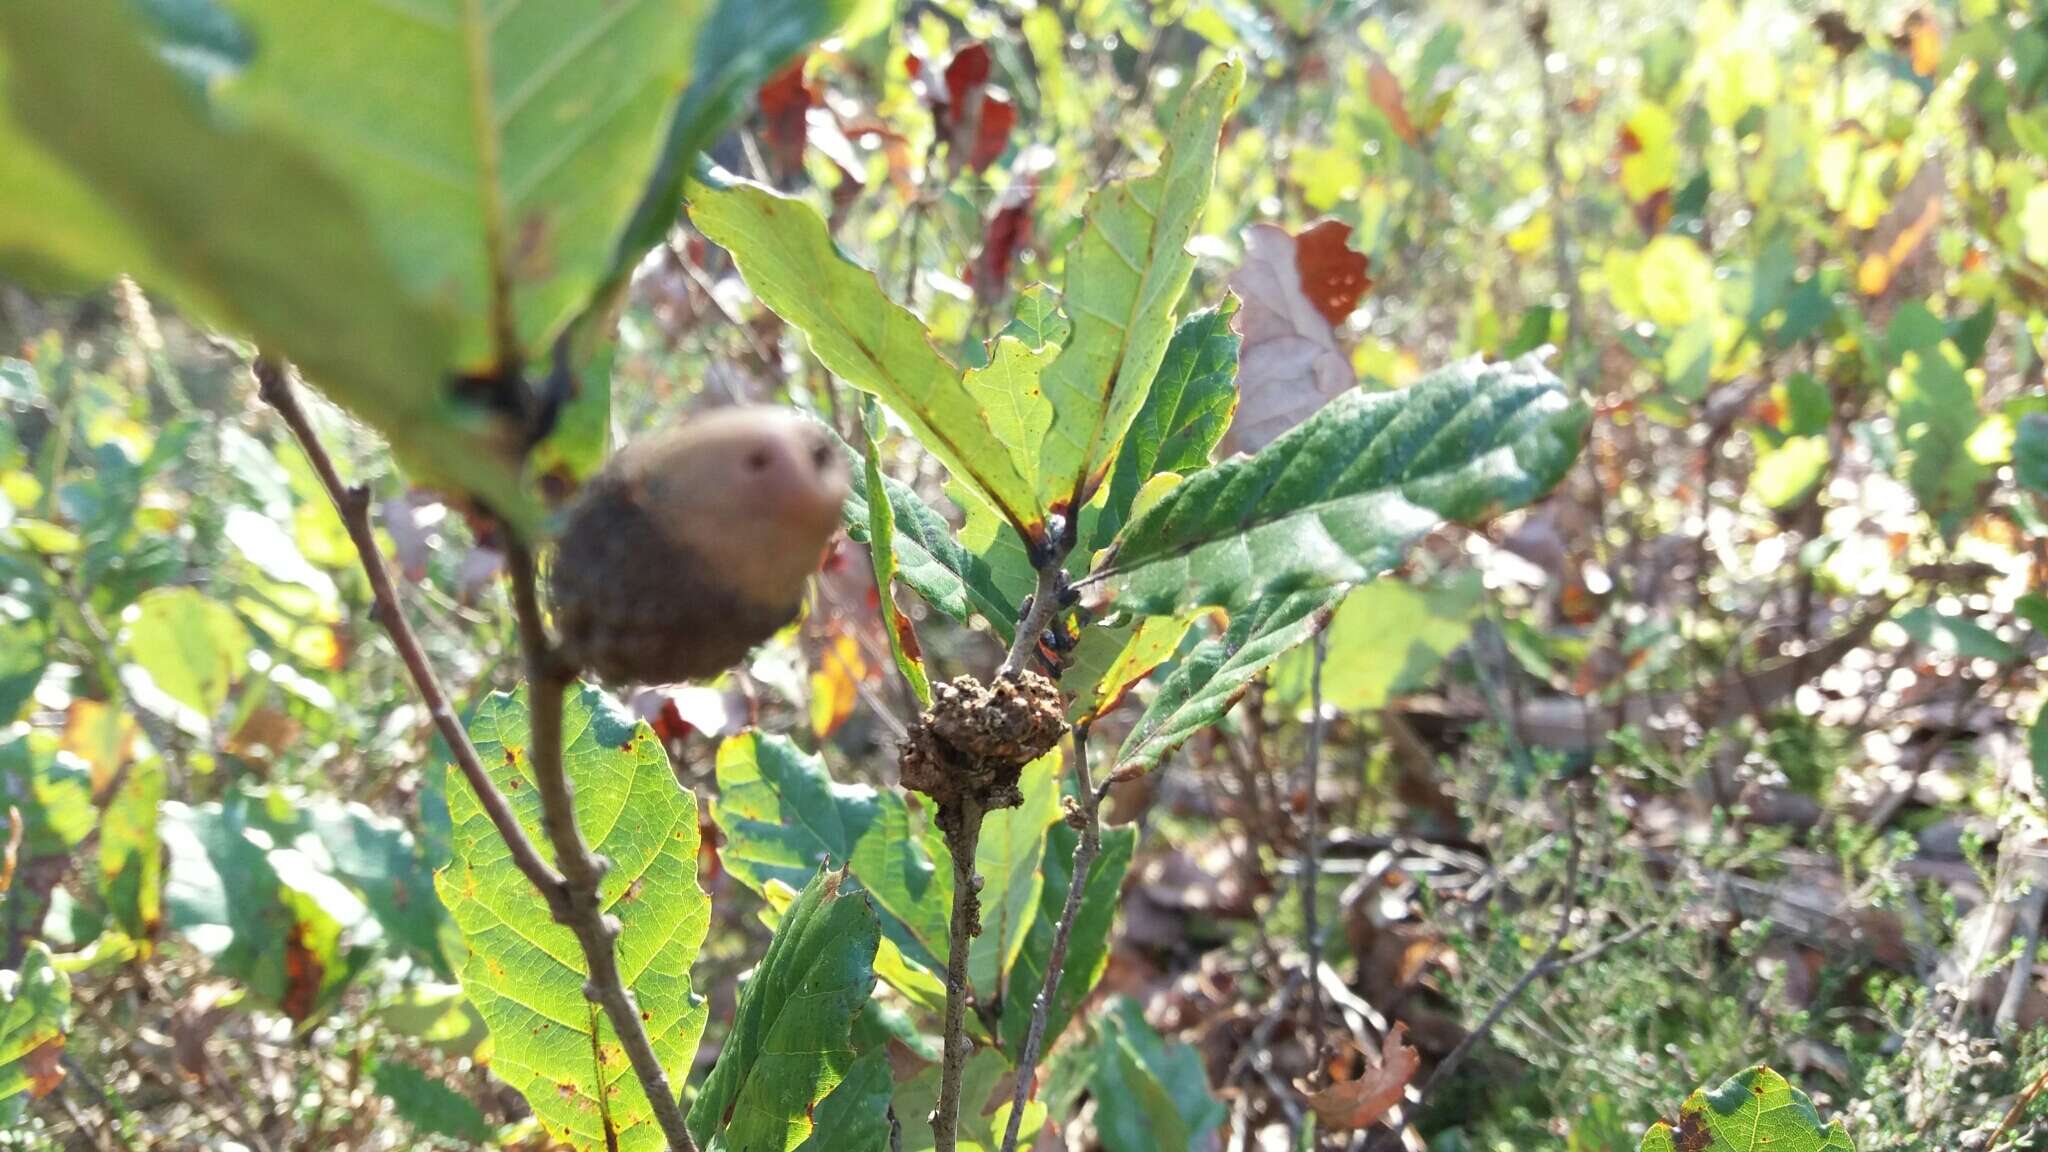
[[966, 923], [1311, 846], [1552, 961], [1056, 961], [572, 893]]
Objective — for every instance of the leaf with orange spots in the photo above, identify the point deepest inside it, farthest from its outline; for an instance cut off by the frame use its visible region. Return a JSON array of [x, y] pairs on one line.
[[35, 1013], [1360, 1103], [525, 973]]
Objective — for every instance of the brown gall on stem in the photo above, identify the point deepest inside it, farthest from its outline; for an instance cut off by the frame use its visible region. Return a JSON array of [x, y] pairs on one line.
[[693, 545]]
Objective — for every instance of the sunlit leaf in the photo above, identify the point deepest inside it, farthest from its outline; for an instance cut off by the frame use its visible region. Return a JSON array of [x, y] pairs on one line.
[[791, 1042], [788, 258], [35, 1015], [1752, 1111], [1125, 274], [525, 973], [1339, 499]]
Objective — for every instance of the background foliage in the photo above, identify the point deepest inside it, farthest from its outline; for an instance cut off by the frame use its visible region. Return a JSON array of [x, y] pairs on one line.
[[1721, 751]]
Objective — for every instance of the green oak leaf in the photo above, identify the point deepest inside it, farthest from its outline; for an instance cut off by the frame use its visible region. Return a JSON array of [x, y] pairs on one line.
[[1184, 415], [791, 1043], [1211, 678], [788, 258], [1124, 277], [1755, 1110], [525, 973], [1339, 499]]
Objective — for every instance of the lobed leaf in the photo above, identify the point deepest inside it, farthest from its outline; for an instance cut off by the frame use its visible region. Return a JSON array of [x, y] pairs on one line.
[[788, 258], [1125, 274], [1209, 680], [1752, 1111]]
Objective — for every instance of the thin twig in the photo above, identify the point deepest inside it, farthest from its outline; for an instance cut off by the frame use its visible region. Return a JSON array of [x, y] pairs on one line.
[[353, 505], [571, 894], [548, 679], [1549, 962], [2019, 1107], [1089, 811], [1311, 849], [960, 940]]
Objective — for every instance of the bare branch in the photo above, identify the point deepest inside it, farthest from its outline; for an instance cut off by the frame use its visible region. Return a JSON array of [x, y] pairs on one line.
[[1089, 813], [353, 504], [572, 893]]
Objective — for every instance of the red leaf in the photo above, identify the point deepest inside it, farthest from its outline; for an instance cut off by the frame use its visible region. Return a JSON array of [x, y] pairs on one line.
[[992, 132], [44, 1063], [303, 974], [969, 69], [1333, 277], [1362, 1102], [1008, 232], [785, 100]]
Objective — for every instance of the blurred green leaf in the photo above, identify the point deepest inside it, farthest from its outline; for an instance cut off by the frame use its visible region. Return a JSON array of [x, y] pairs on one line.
[[429, 1105], [1952, 634], [193, 647], [35, 1015], [131, 869], [1386, 638], [791, 1044], [1937, 415], [1151, 1095], [2030, 451], [123, 169], [1339, 499], [525, 973], [263, 913]]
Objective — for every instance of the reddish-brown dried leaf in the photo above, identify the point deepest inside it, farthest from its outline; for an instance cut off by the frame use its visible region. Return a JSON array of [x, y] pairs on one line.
[[304, 972], [45, 1065], [969, 69], [1361, 1103], [1385, 90], [992, 131], [785, 102], [1333, 277]]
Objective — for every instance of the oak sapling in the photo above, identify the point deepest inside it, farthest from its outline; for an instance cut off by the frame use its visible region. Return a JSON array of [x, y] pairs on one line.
[[693, 544]]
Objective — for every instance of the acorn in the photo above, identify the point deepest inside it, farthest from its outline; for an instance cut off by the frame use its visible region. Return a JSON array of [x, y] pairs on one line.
[[693, 544]]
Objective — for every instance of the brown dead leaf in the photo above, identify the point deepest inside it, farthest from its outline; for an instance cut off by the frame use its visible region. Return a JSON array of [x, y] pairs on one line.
[[1385, 90], [1361, 1103], [1289, 364], [45, 1066]]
